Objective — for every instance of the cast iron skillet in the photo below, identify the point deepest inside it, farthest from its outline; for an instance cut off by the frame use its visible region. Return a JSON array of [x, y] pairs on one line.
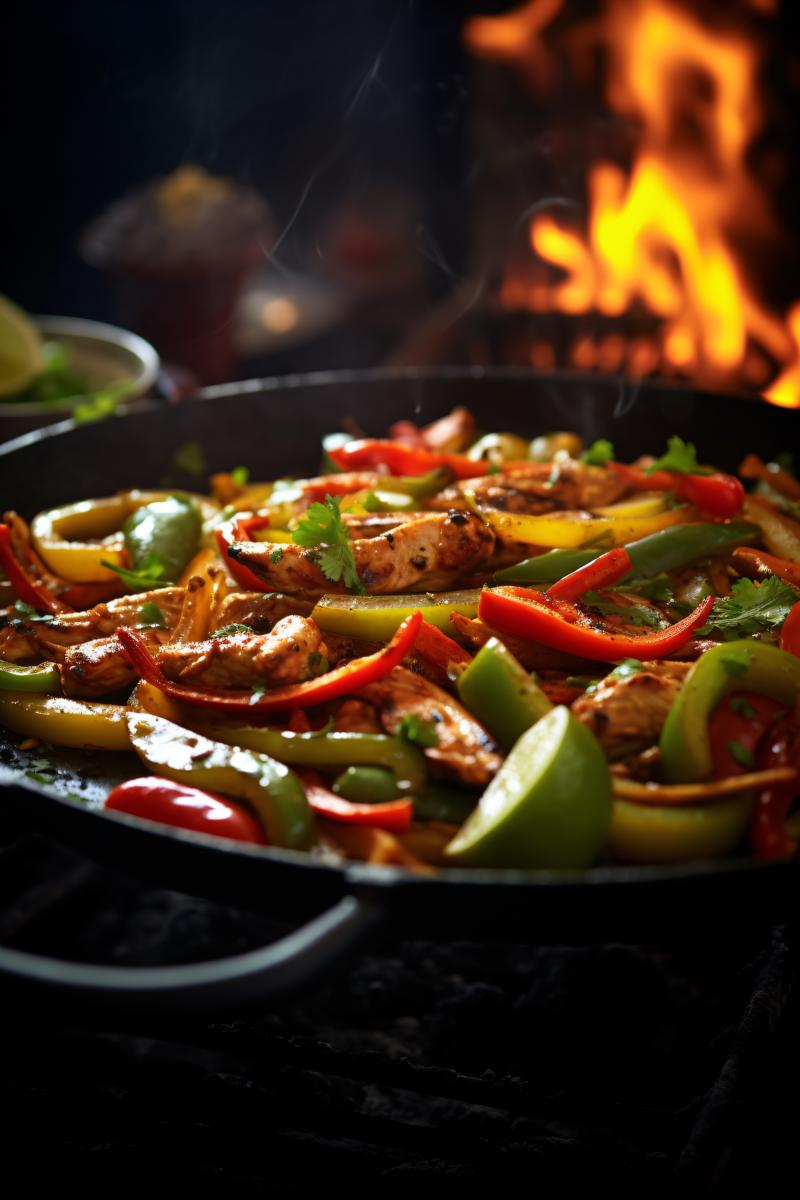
[[274, 428]]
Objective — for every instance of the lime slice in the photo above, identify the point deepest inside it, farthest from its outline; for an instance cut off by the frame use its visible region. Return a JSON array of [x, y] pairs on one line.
[[549, 805], [20, 349]]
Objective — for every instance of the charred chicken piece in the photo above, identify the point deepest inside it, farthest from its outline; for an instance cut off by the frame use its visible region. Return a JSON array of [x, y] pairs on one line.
[[99, 667], [464, 749], [430, 553], [535, 488], [627, 715], [260, 610], [291, 652]]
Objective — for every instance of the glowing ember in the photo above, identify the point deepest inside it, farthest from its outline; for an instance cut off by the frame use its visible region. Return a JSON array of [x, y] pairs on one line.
[[664, 237]]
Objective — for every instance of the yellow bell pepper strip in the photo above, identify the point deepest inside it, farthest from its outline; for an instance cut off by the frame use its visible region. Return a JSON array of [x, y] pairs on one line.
[[271, 789], [549, 805], [74, 539], [501, 693], [780, 533], [377, 617], [341, 681], [66, 722], [328, 750], [744, 665], [536, 616], [575, 530], [642, 833], [662, 551], [42, 678]]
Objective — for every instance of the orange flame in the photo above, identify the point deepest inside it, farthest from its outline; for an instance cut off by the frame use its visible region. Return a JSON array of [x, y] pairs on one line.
[[665, 237]]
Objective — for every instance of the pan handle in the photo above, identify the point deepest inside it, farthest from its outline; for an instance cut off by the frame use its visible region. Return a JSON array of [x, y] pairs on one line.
[[275, 970]]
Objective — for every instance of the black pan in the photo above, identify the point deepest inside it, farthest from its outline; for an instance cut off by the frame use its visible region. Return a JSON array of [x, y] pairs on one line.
[[274, 427]]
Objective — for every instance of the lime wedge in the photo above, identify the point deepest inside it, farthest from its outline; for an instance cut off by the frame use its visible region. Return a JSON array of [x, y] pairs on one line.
[[20, 349], [549, 805]]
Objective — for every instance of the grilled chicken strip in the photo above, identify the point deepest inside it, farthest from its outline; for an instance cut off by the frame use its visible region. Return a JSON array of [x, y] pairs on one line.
[[535, 488], [627, 715], [99, 667], [260, 610], [21, 639], [464, 748], [429, 553], [292, 652]]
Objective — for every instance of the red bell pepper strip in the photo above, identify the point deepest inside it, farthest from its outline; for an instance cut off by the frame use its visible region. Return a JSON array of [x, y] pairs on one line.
[[339, 485], [392, 815], [400, 459], [769, 837], [537, 617], [718, 495], [605, 570], [171, 803], [790, 633], [341, 681], [27, 588], [756, 563], [408, 432], [226, 536], [740, 721], [437, 648]]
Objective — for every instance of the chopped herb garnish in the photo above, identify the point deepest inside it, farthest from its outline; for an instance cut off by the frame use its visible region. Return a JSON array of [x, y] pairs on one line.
[[256, 692], [45, 777], [626, 668], [493, 469], [144, 577], [599, 453], [276, 555], [240, 476], [742, 755], [742, 706], [414, 729], [753, 607], [227, 630], [190, 458], [28, 613], [680, 456], [318, 664], [150, 616], [736, 663], [322, 528], [585, 682], [632, 614]]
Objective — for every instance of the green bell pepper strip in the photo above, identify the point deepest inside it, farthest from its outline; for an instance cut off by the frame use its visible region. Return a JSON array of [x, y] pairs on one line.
[[744, 665], [419, 486], [497, 690], [642, 833], [332, 750], [662, 551], [366, 785], [269, 787], [378, 617], [168, 529], [42, 678]]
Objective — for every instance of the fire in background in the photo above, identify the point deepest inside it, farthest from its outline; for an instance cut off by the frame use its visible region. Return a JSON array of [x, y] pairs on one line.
[[659, 227]]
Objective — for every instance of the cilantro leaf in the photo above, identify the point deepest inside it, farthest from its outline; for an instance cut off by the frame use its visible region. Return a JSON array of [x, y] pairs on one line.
[[323, 529], [414, 729], [240, 476], [151, 615], [742, 706], [626, 668], [144, 577], [276, 555], [227, 630], [632, 614], [742, 755], [753, 607], [657, 588], [599, 453], [28, 613], [585, 682], [680, 456]]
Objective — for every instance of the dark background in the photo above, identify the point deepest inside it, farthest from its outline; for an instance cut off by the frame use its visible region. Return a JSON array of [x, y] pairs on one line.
[[314, 103]]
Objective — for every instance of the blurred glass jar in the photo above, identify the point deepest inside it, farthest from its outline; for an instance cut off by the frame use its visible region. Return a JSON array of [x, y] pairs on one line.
[[180, 252]]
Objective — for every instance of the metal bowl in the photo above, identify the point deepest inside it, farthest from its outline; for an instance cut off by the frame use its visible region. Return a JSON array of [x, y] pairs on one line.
[[102, 353]]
